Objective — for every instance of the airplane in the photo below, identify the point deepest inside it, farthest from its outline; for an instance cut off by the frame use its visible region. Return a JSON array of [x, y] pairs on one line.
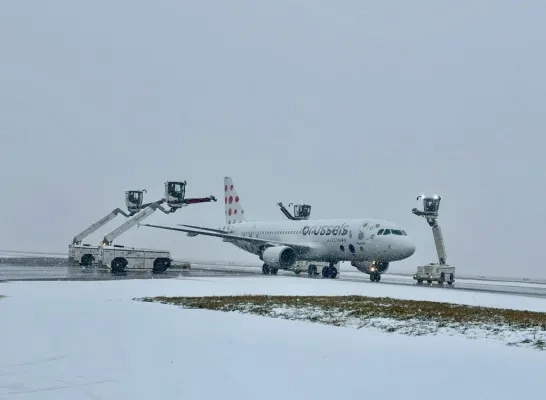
[[369, 244]]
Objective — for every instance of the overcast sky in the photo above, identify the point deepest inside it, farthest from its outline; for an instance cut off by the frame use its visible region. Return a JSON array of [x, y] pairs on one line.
[[355, 107]]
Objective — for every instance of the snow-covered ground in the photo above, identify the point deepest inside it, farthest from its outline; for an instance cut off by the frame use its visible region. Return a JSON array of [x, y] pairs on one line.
[[79, 340]]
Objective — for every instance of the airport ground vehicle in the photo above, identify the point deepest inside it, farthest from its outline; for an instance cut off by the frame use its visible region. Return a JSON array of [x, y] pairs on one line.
[[118, 258], [439, 272], [301, 211], [121, 259]]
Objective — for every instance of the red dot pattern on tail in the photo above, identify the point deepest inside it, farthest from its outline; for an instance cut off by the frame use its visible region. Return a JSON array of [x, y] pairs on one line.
[[234, 207]]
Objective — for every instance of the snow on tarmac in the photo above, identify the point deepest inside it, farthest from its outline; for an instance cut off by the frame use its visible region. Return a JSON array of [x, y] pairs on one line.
[[79, 340]]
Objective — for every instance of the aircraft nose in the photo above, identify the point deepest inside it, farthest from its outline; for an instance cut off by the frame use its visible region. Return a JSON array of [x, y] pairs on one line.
[[408, 248]]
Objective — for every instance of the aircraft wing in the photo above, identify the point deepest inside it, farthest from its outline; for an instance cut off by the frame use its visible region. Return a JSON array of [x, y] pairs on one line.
[[202, 228], [231, 237]]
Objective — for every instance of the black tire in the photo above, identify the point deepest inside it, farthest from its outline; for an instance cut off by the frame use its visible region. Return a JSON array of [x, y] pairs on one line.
[[333, 272], [265, 269], [419, 281], [312, 270], [87, 260], [118, 265], [274, 271], [326, 272], [297, 272], [161, 265]]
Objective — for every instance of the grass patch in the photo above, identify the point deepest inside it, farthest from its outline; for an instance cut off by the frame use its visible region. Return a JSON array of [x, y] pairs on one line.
[[410, 317]]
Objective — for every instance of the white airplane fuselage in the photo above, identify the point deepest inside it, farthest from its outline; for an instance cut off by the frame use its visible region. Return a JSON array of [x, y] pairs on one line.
[[332, 240], [369, 244]]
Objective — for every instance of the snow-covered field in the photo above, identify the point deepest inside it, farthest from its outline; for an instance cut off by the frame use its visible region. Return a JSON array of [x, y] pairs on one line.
[[79, 340]]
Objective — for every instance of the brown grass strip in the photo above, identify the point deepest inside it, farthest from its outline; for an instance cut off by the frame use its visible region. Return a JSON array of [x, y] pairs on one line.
[[366, 307]]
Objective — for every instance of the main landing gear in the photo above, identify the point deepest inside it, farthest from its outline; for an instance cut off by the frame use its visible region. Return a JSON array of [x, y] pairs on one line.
[[266, 269], [375, 277]]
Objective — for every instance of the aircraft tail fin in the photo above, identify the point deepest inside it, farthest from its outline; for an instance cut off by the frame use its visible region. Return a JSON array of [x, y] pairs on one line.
[[234, 211]]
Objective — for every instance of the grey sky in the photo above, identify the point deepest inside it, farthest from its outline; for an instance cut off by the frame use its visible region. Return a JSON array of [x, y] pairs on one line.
[[355, 107]]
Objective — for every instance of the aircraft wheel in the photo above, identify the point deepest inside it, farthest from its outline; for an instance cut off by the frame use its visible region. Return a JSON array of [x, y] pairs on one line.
[[274, 271], [326, 272], [333, 272], [265, 269]]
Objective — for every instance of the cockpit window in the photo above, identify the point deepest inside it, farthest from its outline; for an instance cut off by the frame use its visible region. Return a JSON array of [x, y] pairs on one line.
[[380, 231], [397, 232], [387, 232], [404, 233]]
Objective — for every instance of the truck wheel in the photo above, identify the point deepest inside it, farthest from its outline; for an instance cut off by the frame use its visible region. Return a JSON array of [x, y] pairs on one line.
[[419, 281], [87, 260], [297, 272], [429, 281], [161, 265], [118, 265], [333, 272], [442, 279]]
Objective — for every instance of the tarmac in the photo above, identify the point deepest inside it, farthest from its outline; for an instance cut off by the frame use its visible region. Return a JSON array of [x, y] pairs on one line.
[[37, 268]]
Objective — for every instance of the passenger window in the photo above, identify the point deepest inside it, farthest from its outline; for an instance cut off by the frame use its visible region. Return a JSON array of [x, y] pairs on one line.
[[380, 231], [397, 232], [387, 232]]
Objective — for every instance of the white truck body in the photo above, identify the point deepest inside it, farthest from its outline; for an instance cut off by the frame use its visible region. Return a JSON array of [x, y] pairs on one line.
[[83, 254], [135, 259], [435, 272], [121, 259]]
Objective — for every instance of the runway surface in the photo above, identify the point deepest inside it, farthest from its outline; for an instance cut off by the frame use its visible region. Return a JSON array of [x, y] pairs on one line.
[[22, 267]]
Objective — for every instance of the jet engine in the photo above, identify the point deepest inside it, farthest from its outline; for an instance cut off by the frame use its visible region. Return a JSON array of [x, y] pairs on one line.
[[283, 257], [371, 267]]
